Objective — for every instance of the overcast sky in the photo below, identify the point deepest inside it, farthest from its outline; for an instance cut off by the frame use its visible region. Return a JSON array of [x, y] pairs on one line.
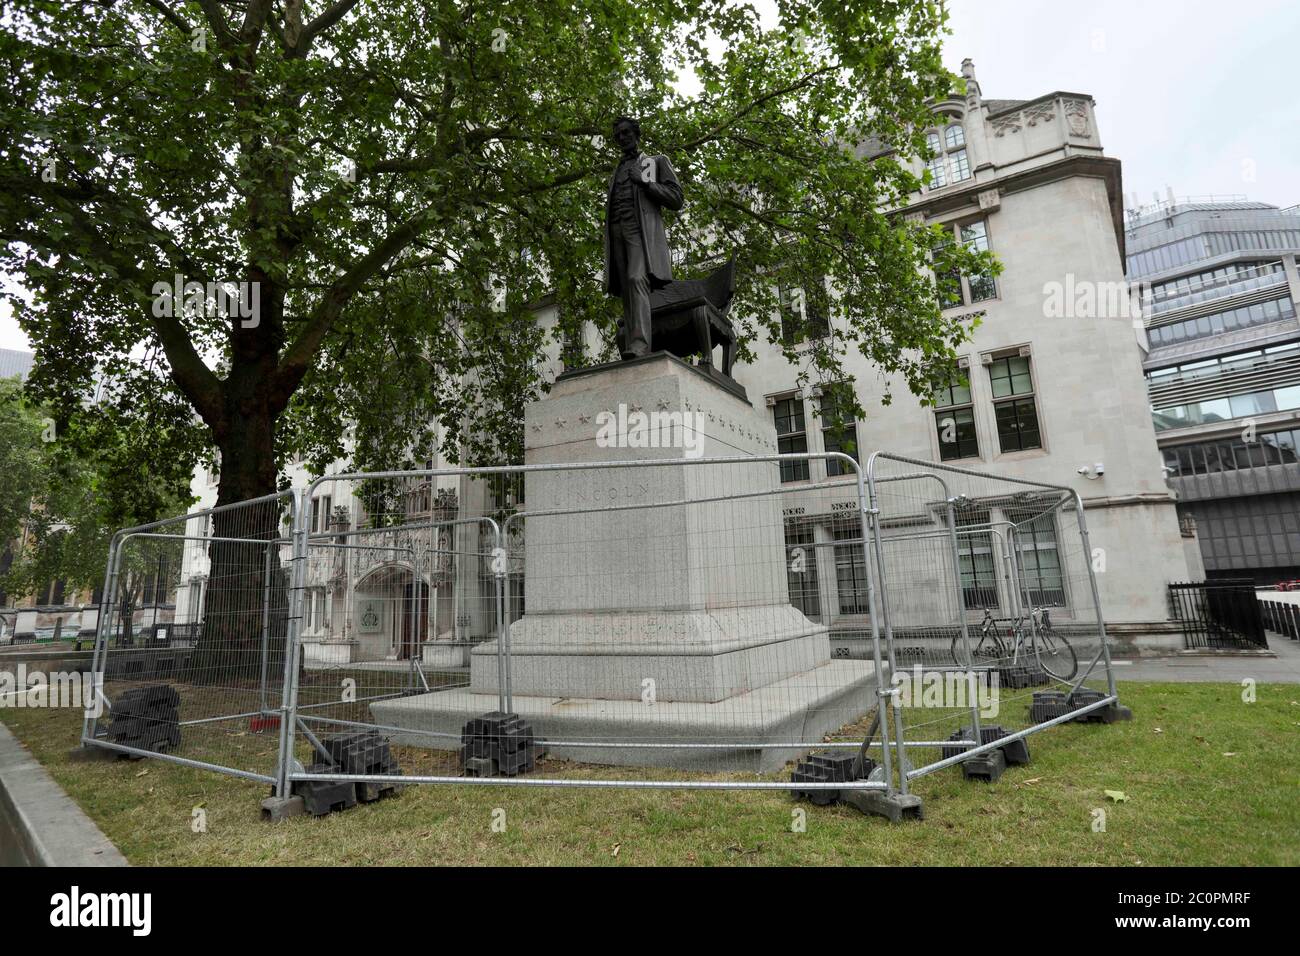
[[1192, 95]]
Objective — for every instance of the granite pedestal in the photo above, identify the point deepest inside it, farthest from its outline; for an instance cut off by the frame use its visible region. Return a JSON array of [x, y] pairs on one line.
[[656, 595]]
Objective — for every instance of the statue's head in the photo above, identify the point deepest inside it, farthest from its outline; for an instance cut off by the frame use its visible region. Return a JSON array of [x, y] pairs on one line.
[[627, 133]]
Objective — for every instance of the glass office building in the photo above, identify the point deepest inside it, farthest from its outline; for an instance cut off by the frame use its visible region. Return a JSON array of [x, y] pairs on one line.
[[1219, 287]]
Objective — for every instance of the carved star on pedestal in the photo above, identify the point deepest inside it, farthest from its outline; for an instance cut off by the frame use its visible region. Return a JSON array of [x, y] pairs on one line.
[[561, 422], [584, 419], [662, 405], [537, 428], [634, 407]]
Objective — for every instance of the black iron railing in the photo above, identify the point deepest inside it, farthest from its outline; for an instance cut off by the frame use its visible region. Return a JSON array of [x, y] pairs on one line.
[[1221, 614], [1281, 617]]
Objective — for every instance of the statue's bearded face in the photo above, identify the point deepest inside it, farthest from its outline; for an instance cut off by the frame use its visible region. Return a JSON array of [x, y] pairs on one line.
[[625, 136]]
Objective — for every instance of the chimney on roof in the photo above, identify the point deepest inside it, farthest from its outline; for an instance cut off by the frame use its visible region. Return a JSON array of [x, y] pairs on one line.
[[972, 85]]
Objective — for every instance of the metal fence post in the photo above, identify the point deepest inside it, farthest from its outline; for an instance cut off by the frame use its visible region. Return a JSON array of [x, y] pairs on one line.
[[289, 689], [864, 515], [106, 600], [501, 567], [266, 625], [977, 733], [1096, 595]]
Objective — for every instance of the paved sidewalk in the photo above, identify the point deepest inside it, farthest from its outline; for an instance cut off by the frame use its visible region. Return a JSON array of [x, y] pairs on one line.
[[1209, 667], [40, 825]]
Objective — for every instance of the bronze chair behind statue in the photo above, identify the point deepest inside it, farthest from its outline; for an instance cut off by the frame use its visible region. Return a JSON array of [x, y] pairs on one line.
[[689, 317]]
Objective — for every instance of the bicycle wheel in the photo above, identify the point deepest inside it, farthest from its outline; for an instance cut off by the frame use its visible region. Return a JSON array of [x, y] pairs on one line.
[[1055, 655], [985, 648]]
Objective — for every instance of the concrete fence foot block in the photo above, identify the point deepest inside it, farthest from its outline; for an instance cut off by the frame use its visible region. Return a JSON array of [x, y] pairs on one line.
[[988, 766], [895, 807], [1116, 712], [87, 752], [281, 808]]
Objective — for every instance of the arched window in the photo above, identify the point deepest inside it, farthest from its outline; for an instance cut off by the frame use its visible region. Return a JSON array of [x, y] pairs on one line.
[[950, 163]]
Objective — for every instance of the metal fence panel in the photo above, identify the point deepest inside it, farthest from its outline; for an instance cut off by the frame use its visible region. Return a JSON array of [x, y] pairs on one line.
[[192, 636], [634, 614], [989, 608], [693, 623]]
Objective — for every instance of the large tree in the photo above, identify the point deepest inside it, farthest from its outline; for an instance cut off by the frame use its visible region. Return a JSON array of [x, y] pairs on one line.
[[399, 181]]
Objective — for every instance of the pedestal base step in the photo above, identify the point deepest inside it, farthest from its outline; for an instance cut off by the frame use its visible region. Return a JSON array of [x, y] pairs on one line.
[[799, 710]]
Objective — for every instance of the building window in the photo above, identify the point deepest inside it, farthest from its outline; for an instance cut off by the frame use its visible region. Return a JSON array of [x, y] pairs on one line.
[[320, 513], [1040, 562], [1212, 410], [154, 586], [1247, 316], [954, 418], [53, 593], [1014, 408], [1215, 283], [805, 312], [979, 580], [1234, 454], [195, 611], [839, 434], [791, 436], [505, 492], [979, 286], [1182, 252], [958, 290], [316, 610], [573, 346], [950, 162], [801, 571], [850, 569], [935, 166]]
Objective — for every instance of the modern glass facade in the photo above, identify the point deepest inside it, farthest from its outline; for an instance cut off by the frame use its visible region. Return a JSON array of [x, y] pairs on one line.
[[1223, 375], [1229, 320]]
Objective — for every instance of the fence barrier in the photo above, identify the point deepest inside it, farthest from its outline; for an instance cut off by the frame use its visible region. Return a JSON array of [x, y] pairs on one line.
[[227, 674], [1281, 617], [1222, 613], [686, 623]]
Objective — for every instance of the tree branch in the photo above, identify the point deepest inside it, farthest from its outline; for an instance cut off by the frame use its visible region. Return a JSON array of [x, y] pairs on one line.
[[198, 382], [799, 84], [298, 356], [332, 15], [254, 19], [172, 17], [217, 20]]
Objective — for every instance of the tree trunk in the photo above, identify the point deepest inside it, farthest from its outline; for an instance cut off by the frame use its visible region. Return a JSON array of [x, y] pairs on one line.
[[245, 612], [126, 610]]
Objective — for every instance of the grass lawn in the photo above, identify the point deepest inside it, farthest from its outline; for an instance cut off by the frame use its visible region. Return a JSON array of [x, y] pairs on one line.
[[1209, 780]]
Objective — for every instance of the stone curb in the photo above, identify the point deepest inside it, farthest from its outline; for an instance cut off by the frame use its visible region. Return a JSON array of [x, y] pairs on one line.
[[40, 825]]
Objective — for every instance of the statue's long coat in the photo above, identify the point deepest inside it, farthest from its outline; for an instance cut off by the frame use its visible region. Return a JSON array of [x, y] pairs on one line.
[[664, 191]]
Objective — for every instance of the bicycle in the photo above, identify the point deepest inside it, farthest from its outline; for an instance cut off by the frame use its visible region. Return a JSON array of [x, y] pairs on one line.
[[1052, 651]]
